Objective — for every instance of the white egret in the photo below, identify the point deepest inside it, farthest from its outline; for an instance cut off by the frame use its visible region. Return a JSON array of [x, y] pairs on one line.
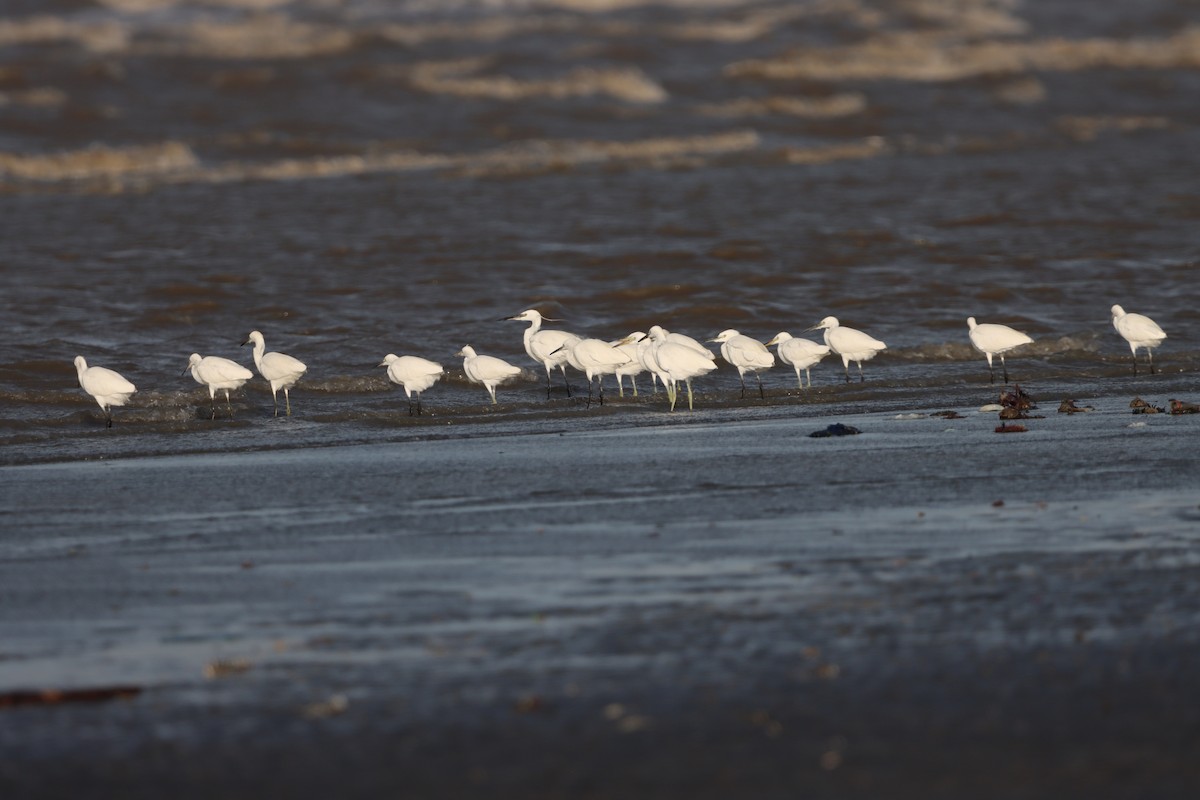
[[545, 346], [850, 344], [595, 358], [488, 370], [1140, 331], [683, 339], [802, 354], [993, 339], [107, 386], [414, 374], [678, 362], [747, 354], [630, 346], [645, 354], [281, 370], [218, 373]]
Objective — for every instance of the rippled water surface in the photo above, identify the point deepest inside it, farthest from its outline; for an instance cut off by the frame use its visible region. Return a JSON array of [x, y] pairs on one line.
[[363, 177]]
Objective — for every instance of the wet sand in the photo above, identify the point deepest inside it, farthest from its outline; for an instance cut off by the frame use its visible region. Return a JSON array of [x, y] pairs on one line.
[[709, 607]]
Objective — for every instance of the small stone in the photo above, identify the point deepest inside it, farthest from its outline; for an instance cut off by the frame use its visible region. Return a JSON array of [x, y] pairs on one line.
[[836, 429]]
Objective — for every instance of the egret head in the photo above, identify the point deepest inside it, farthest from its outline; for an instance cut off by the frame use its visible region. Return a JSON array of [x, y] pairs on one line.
[[725, 336], [657, 333], [466, 352], [1117, 311], [636, 336], [193, 362], [254, 338], [388, 360], [780, 338], [828, 322], [971, 323], [80, 363]]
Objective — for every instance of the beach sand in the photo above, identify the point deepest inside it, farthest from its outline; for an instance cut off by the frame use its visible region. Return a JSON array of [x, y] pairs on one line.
[[718, 606]]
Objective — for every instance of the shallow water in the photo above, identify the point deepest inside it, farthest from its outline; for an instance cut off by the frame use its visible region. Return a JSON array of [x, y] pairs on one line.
[[367, 177]]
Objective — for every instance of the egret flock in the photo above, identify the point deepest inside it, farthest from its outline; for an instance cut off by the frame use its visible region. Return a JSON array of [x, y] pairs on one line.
[[669, 357]]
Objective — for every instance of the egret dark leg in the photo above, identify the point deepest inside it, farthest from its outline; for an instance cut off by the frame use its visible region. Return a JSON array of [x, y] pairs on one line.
[[410, 407], [762, 393], [418, 404], [742, 378], [213, 396], [1150, 358], [600, 383], [861, 378], [1135, 362], [287, 400], [228, 404], [1004, 367], [846, 366], [566, 382], [108, 416], [275, 401]]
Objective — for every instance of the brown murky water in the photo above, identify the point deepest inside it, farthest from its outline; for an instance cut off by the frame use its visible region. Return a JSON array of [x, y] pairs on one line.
[[366, 177]]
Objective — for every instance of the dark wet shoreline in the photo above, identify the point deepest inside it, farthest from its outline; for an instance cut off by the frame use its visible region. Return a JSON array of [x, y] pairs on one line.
[[926, 610]]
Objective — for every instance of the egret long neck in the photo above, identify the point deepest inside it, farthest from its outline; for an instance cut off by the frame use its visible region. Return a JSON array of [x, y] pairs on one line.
[[259, 347]]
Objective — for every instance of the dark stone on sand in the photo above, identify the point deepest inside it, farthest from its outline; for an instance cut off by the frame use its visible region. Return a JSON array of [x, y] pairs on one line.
[[1180, 407], [836, 429], [1069, 407]]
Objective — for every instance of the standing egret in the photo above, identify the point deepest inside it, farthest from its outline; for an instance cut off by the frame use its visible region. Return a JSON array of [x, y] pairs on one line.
[[546, 347], [748, 355], [107, 386], [595, 358], [645, 354], [414, 374], [992, 339], [679, 338], [802, 354], [281, 370], [630, 346], [850, 344], [488, 370], [678, 362], [1140, 331], [218, 373]]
